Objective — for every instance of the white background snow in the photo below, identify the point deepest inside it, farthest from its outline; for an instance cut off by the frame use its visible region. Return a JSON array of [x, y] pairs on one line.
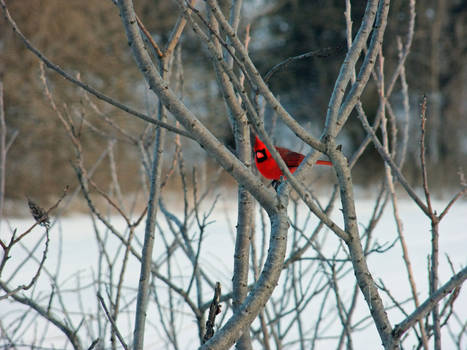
[[75, 235]]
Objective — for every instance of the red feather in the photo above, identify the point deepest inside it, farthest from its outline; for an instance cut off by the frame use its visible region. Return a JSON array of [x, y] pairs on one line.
[[292, 159], [268, 167]]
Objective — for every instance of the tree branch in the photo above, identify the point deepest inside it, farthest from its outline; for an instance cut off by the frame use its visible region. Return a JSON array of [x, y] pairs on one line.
[[455, 281]]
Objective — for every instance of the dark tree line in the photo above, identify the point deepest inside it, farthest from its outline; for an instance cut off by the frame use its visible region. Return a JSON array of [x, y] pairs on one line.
[[81, 39]]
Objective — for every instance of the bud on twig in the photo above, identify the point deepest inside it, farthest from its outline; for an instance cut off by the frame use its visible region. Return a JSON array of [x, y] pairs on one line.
[[39, 214]]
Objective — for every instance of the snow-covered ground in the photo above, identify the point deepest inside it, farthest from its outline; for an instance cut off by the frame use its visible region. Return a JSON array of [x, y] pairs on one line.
[[73, 256]]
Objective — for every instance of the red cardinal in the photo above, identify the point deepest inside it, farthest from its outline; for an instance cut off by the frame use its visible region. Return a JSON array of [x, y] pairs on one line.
[[268, 167]]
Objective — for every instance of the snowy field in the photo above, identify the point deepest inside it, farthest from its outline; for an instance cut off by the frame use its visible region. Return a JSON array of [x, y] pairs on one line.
[[73, 257]]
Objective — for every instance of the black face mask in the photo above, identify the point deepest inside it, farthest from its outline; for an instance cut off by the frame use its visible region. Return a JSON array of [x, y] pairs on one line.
[[261, 156]]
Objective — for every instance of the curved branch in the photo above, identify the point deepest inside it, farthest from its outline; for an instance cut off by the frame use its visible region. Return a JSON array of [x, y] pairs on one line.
[[362, 273], [265, 285]]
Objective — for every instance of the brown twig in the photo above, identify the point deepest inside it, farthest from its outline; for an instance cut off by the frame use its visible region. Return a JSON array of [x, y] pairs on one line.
[[434, 277], [108, 199], [149, 37], [175, 158], [177, 32], [214, 310], [38, 271], [422, 154], [65, 191], [455, 198], [42, 218]]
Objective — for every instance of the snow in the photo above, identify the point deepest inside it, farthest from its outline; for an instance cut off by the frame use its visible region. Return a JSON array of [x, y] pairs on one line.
[[73, 255]]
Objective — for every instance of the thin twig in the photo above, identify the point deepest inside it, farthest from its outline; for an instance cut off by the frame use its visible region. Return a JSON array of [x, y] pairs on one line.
[[452, 201], [94, 344], [46, 214], [214, 310], [422, 154], [428, 305], [177, 32], [321, 53], [149, 37], [112, 322]]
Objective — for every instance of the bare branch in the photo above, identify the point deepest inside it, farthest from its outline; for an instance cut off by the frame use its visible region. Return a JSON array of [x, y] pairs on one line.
[[430, 303], [177, 32], [112, 322], [422, 155], [149, 37], [321, 53], [214, 310], [348, 66]]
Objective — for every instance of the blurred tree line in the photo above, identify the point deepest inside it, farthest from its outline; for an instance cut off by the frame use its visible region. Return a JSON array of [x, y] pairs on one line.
[[436, 67], [86, 37]]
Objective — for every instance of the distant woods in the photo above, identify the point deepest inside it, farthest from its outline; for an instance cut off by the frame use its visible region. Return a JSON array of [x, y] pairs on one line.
[[92, 44]]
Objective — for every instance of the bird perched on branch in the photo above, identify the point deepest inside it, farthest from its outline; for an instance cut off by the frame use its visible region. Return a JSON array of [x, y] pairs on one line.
[[268, 167]]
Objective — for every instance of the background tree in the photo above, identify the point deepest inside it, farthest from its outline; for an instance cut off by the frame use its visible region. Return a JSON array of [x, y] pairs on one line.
[[79, 39]]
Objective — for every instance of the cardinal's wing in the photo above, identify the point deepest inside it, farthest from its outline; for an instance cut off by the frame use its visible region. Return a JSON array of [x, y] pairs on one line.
[[291, 158]]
